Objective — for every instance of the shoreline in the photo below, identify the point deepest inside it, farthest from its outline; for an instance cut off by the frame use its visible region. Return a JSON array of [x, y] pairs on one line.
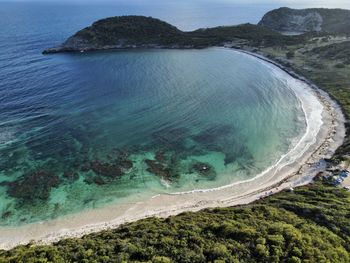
[[299, 172]]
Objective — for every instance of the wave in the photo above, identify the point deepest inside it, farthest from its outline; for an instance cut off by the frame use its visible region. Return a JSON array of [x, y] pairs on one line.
[[6, 136]]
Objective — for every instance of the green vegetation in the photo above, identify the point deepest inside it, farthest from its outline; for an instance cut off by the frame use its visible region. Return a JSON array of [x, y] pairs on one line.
[[337, 51], [130, 29], [148, 32], [308, 225], [252, 35], [336, 81]]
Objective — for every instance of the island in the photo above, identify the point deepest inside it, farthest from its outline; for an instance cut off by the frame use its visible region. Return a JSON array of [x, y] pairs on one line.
[[309, 223]]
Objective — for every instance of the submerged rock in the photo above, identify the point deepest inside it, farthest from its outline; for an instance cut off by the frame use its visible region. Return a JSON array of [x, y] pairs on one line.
[[89, 180], [160, 157], [106, 169], [4, 183], [117, 165], [36, 185], [122, 154], [99, 180], [6, 215], [158, 169], [126, 164], [163, 170], [110, 169], [203, 169], [71, 176], [85, 167]]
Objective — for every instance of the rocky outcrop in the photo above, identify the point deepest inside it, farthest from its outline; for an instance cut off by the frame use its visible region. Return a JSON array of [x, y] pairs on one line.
[[287, 20]]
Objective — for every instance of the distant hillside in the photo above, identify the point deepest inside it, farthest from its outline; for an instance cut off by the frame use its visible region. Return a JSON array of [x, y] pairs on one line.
[[337, 51], [307, 20], [147, 32]]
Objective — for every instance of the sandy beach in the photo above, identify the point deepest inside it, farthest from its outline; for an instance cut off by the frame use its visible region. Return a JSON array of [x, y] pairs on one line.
[[325, 133]]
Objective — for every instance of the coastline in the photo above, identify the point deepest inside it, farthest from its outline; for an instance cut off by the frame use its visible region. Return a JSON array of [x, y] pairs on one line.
[[299, 172]]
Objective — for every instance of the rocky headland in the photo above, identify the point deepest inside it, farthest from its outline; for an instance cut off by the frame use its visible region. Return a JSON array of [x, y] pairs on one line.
[[130, 32], [288, 20]]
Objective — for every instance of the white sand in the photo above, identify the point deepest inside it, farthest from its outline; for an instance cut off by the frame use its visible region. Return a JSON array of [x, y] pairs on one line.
[[346, 183], [324, 135]]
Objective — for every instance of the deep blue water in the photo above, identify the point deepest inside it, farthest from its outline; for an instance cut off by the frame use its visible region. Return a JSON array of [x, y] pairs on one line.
[[82, 130]]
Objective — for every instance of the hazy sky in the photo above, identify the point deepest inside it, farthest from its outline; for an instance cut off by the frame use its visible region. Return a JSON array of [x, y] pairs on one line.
[[291, 3]]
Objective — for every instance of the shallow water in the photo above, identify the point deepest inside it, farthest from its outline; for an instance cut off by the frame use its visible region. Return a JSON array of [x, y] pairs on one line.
[[80, 131], [182, 119]]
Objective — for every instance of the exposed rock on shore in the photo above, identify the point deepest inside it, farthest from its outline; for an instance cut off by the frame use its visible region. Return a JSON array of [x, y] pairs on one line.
[[307, 20]]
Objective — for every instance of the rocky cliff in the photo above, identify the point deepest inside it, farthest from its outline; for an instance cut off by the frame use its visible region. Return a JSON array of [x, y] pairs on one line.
[[289, 20]]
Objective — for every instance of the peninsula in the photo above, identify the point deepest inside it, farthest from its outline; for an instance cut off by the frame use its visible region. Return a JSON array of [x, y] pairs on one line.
[[130, 32], [126, 32]]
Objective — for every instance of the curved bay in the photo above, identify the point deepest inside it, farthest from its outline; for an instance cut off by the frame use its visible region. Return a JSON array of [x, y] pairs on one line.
[[81, 131]]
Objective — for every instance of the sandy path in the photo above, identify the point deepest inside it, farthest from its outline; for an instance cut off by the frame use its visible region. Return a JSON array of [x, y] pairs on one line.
[[325, 134]]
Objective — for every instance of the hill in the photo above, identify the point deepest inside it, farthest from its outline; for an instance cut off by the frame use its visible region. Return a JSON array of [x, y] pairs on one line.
[[307, 20], [122, 32], [147, 32]]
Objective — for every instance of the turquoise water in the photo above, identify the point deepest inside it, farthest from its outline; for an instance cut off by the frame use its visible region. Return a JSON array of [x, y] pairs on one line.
[[117, 127], [79, 131]]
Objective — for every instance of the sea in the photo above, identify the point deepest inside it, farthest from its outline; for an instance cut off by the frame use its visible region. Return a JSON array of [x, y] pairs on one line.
[[82, 131]]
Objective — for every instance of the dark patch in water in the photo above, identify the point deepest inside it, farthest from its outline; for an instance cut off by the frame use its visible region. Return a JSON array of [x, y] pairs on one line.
[[89, 200], [98, 180], [106, 169], [34, 186], [117, 165], [220, 138], [213, 134], [71, 176], [203, 169], [164, 166], [6, 215], [171, 139]]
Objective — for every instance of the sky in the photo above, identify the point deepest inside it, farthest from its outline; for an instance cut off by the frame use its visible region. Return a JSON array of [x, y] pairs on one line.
[[290, 3], [187, 15], [314, 3]]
